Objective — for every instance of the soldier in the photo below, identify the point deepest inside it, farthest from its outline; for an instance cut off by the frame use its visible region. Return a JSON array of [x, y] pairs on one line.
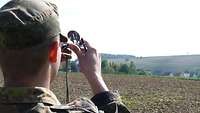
[[30, 56]]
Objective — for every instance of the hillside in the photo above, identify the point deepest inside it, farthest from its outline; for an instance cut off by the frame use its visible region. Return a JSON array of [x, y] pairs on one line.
[[173, 64], [164, 64]]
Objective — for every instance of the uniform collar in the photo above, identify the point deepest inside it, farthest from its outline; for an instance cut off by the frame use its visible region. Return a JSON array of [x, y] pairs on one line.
[[9, 95]]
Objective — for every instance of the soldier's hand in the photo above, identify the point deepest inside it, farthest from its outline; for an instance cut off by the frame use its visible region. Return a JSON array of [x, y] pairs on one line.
[[66, 54], [90, 65], [90, 61]]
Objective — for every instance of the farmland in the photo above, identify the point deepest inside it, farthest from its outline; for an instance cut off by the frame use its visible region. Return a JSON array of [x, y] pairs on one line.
[[140, 94]]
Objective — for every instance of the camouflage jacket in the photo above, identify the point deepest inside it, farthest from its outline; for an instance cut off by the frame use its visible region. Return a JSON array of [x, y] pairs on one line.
[[42, 100]]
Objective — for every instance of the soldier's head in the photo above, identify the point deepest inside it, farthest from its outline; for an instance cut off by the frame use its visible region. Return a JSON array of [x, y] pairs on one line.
[[29, 38]]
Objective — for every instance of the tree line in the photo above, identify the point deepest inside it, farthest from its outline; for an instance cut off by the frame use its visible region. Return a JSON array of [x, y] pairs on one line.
[[109, 67], [125, 68], [129, 68]]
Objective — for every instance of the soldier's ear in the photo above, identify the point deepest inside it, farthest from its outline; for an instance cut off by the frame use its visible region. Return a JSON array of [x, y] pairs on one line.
[[53, 52]]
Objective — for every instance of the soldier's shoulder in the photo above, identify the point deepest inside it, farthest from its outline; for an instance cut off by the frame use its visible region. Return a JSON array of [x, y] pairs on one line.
[[45, 108], [81, 105]]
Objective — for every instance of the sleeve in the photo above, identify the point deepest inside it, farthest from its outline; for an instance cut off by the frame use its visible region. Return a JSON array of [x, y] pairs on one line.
[[109, 102]]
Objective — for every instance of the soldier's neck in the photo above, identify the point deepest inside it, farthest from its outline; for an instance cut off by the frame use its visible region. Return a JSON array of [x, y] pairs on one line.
[[26, 83], [40, 80]]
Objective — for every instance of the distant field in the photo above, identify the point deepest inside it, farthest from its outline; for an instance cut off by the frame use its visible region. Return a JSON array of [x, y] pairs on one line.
[[140, 94]]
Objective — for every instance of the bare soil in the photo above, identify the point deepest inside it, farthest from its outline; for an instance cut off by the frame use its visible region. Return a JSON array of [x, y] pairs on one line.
[[140, 94]]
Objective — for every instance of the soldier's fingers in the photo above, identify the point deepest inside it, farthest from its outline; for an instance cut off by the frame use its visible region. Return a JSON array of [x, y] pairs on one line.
[[88, 45], [75, 49], [66, 50]]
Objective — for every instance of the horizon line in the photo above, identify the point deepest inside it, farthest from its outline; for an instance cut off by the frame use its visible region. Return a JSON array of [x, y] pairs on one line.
[[150, 55]]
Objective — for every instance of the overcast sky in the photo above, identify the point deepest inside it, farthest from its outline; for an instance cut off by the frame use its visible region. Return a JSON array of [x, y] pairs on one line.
[[135, 27]]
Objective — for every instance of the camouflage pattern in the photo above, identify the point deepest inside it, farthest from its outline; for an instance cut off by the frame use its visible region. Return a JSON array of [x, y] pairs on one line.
[[42, 100]]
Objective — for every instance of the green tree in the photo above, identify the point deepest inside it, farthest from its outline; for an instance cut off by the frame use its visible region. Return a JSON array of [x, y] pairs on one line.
[[115, 67], [132, 68], [124, 68], [142, 72], [106, 67]]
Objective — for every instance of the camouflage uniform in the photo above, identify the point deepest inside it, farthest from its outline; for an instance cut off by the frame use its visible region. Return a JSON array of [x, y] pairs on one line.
[[42, 100]]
